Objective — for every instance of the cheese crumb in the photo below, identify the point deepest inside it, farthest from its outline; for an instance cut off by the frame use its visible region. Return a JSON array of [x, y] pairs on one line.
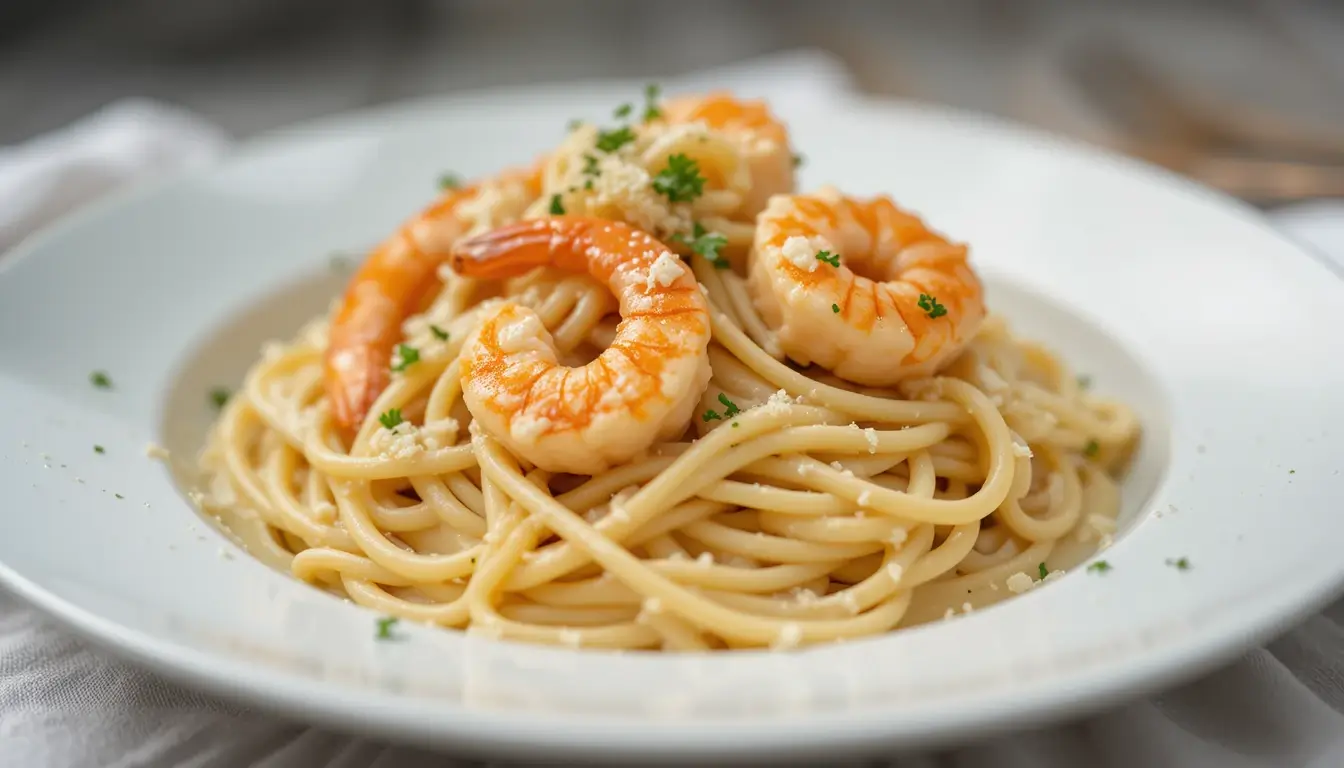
[[898, 536], [799, 251], [790, 635], [572, 638], [156, 451], [664, 271], [967, 607], [653, 605], [705, 559], [1019, 582], [871, 434], [865, 497], [949, 613], [527, 428], [895, 571]]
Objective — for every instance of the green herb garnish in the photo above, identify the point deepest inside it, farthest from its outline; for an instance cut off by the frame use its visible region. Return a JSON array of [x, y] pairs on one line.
[[730, 407], [835, 308], [830, 258], [574, 125], [610, 141], [118, 495], [557, 209], [1101, 566], [798, 160], [1091, 448], [1043, 570], [930, 304], [711, 415], [219, 396], [1180, 564], [651, 110], [438, 332], [391, 419], [590, 165], [680, 181], [385, 624], [100, 380], [99, 449], [450, 181], [406, 357], [1084, 381], [624, 110], [706, 244]]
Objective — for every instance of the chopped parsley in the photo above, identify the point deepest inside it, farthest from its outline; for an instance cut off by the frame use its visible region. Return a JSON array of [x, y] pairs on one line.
[[99, 449], [1180, 564], [219, 396], [651, 110], [118, 495], [385, 624], [590, 165], [610, 141], [1091, 448], [406, 357], [557, 209], [450, 181], [830, 258], [711, 415], [624, 110], [1084, 381], [100, 379], [680, 181], [798, 160], [930, 304], [706, 244], [391, 419], [1292, 471], [1044, 572], [835, 308], [730, 407], [574, 125], [438, 332], [734, 423], [1101, 566]]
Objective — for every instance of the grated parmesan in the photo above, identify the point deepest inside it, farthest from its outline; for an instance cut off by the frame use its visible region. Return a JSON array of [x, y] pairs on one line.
[[664, 271], [790, 635], [871, 434], [653, 605], [895, 571], [156, 451], [1019, 582], [799, 252]]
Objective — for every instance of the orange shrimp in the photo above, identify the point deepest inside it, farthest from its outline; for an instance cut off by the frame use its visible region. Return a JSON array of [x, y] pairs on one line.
[[643, 388], [862, 288], [391, 285], [765, 140]]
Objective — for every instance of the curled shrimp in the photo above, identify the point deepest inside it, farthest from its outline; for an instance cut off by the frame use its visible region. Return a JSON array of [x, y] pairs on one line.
[[862, 288], [641, 389], [763, 140], [395, 281]]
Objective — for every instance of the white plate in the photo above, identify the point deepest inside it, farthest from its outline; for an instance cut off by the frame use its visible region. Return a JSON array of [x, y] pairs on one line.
[[1221, 334]]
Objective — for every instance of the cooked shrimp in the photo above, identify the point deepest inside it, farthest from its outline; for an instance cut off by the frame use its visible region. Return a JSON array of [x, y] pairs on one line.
[[862, 288], [641, 389], [396, 280], [764, 140]]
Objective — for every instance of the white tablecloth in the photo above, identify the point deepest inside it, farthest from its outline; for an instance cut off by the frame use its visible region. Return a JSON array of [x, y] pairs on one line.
[[64, 704]]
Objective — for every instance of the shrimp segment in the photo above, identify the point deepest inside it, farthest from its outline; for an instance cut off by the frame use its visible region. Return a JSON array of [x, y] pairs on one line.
[[393, 283], [641, 389], [901, 302], [763, 138]]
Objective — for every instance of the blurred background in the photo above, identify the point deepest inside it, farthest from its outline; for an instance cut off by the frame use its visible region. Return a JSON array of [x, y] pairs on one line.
[[1247, 95]]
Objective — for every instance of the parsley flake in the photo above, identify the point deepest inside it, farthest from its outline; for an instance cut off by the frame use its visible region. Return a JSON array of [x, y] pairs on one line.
[[385, 624], [99, 449], [1091, 448], [835, 308], [730, 407], [450, 181], [651, 110], [219, 396], [798, 160], [574, 125], [624, 110], [590, 165], [680, 181], [406, 357], [610, 141], [1292, 471], [1084, 381], [930, 304], [1180, 564], [100, 379], [391, 419], [118, 495], [706, 244], [438, 332], [830, 258], [734, 423], [1101, 566], [1041, 567], [711, 415], [557, 209]]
